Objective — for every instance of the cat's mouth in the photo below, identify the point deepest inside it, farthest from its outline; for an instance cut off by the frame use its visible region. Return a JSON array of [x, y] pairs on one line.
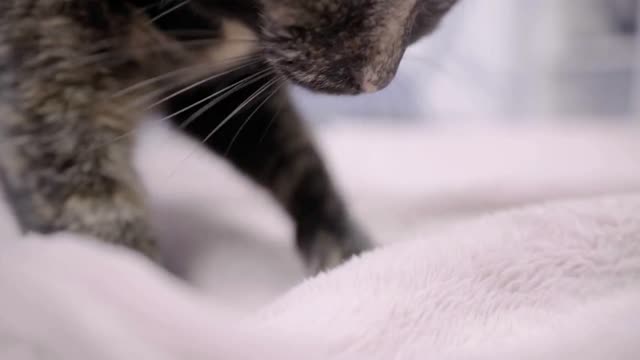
[[342, 77], [345, 85]]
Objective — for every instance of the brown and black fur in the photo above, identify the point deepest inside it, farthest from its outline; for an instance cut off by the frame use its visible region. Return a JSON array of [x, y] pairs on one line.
[[74, 84]]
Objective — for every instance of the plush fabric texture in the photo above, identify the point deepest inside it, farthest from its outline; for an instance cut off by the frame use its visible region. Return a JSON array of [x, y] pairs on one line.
[[519, 243], [483, 286]]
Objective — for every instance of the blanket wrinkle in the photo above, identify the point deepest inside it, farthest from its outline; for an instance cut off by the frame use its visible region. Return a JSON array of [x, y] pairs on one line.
[[513, 243]]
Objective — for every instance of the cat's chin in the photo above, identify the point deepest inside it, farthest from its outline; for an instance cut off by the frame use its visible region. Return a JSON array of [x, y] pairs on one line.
[[329, 90], [326, 87], [315, 82], [336, 85], [341, 81]]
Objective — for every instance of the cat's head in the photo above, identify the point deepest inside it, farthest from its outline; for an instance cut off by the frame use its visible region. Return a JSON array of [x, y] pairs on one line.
[[344, 46]]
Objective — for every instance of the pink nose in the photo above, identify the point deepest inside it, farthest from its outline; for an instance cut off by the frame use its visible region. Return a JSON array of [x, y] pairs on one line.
[[369, 87]]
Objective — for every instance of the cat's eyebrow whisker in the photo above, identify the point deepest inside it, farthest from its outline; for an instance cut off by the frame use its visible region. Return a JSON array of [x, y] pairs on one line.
[[218, 96], [198, 83], [258, 107]]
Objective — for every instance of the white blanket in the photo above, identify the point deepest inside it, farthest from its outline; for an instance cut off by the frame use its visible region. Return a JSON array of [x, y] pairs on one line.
[[552, 281], [546, 281]]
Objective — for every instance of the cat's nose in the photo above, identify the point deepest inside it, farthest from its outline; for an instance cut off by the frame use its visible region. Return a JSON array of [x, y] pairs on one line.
[[373, 81], [369, 87]]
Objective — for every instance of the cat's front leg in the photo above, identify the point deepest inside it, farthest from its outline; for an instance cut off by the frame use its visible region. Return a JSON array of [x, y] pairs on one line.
[[65, 149], [267, 140], [65, 173]]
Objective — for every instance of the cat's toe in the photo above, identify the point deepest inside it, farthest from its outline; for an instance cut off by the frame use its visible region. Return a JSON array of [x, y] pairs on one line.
[[323, 250]]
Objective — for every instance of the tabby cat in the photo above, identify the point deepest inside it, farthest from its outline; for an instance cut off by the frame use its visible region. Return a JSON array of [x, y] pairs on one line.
[[76, 77]]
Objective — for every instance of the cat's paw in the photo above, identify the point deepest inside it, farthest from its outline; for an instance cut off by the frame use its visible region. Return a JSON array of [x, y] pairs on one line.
[[323, 249]]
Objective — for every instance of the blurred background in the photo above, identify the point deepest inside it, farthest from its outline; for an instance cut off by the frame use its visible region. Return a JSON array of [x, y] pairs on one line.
[[510, 60]]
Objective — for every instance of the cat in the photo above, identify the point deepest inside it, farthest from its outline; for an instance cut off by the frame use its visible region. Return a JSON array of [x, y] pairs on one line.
[[76, 77]]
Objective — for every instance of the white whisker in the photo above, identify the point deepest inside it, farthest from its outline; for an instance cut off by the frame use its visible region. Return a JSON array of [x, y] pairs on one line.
[[131, 132], [154, 80], [198, 83], [214, 102], [258, 92], [233, 88], [262, 103], [168, 11], [273, 119], [187, 69], [239, 108]]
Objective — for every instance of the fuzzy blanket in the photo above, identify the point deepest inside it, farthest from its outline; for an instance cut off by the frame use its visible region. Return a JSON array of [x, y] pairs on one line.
[[458, 276]]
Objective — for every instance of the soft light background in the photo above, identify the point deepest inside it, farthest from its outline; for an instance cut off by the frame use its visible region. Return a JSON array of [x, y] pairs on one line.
[[513, 60]]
